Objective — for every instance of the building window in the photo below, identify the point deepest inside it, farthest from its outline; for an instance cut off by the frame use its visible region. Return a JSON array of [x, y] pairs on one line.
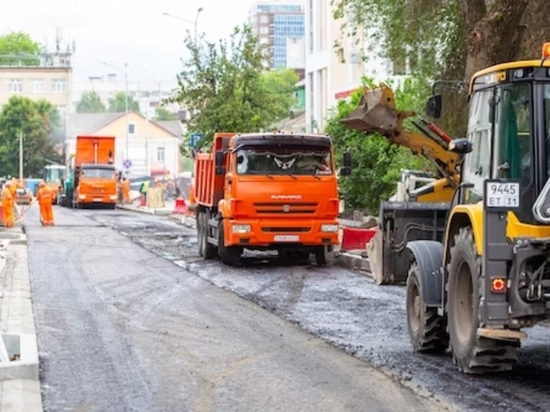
[[160, 154], [38, 86], [59, 85], [264, 19], [264, 30], [264, 40], [16, 86], [131, 128]]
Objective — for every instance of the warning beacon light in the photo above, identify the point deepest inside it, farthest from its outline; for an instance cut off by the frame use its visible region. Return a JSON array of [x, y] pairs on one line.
[[546, 51]]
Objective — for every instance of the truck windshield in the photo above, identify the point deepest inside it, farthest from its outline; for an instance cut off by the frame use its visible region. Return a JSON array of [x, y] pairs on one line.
[[53, 174], [284, 161], [99, 173]]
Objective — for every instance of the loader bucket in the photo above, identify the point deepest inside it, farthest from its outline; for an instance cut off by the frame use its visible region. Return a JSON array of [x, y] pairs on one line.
[[375, 112]]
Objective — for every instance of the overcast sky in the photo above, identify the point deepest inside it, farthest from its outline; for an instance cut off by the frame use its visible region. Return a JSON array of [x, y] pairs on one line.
[[108, 30]]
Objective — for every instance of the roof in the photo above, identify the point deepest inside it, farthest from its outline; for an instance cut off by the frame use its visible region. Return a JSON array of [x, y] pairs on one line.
[[85, 123], [88, 123], [172, 126], [297, 124]]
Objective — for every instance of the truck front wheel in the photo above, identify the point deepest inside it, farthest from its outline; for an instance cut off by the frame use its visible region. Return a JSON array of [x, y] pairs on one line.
[[230, 255], [323, 255], [472, 354]]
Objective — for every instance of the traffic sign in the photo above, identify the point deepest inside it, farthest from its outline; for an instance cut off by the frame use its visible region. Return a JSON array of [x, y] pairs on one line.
[[194, 139], [127, 164]]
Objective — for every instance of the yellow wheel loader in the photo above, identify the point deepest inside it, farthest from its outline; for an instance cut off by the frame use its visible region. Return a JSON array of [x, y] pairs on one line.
[[489, 277], [422, 215]]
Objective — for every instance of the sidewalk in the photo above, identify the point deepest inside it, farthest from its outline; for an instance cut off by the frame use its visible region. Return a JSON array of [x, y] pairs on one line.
[[355, 260], [19, 379]]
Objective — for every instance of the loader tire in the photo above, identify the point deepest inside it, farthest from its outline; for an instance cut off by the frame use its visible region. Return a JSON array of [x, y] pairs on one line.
[[230, 255], [427, 329], [472, 354]]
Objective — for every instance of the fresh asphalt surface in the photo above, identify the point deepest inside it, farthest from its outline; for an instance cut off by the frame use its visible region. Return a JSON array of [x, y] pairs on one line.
[[122, 328]]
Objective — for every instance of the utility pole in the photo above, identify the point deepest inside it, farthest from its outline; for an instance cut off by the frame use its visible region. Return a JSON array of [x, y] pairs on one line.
[[21, 155], [127, 154]]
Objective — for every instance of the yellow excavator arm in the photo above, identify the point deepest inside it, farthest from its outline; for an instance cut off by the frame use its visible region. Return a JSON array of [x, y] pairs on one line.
[[376, 113]]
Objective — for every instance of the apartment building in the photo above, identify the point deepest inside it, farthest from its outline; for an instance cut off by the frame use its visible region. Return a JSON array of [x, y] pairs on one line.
[[50, 80], [333, 74], [280, 24]]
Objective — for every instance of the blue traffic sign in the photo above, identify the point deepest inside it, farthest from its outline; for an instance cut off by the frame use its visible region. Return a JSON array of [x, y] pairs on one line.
[[127, 164], [194, 139]]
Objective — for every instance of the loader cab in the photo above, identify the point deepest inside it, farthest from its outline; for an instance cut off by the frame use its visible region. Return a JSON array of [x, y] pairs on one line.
[[509, 131]]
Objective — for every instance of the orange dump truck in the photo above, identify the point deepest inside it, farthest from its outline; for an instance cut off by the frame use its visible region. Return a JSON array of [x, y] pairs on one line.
[[92, 175], [267, 191]]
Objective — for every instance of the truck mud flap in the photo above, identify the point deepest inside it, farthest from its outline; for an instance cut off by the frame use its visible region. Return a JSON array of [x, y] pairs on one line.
[[400, 223]]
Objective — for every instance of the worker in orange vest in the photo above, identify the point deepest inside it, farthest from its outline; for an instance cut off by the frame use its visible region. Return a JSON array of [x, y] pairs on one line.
[[8, 203], [125, 191], [44, 198], [13, 186]]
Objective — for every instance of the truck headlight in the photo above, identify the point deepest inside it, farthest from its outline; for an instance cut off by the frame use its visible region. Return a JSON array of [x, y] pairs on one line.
[[240, 228], [82, 196], [113, 197], [330, 228]]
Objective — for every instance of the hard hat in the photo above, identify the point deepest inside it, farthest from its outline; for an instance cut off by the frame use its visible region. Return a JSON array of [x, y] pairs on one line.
[[8, 184], [42, 184]]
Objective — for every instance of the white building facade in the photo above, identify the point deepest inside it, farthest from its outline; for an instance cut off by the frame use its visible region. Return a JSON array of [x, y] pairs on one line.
[[333, 74]]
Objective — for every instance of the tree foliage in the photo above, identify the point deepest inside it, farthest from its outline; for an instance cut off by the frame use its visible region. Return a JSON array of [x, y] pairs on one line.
[[90, 102], [223, 87], [449, 39], [37, 122], [117, 104], [281, 85], [18, 48], [163, 114], [377, 163]]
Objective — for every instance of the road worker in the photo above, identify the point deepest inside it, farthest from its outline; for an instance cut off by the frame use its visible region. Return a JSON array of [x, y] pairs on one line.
[[125, 191], [44, 198], [13, 186], [8, 204]]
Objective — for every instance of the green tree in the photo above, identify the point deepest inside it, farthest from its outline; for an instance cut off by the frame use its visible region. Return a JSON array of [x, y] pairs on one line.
[[18, 48], [23, 115], [223, 86], [281, 85], [90, 102], [162, 113], [117, 104], [377, 163], [448, 39]]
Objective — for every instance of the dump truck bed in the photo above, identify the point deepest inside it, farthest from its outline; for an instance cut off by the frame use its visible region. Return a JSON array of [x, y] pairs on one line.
[[94, 149]]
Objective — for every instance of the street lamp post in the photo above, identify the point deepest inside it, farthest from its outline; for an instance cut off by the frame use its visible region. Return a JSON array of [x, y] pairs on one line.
[[195, 22], [127, 150]]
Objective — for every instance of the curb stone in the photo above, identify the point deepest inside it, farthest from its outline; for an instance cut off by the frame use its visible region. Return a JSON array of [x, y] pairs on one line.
[[19, 380]]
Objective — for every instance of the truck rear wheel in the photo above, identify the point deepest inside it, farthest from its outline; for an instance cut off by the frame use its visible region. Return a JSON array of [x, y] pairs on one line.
[[230, 255], [206, 250], [426, 327], [472, 354]]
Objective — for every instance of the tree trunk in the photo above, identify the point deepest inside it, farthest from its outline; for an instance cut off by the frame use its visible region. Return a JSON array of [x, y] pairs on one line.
[[537, 29], [495, 37]]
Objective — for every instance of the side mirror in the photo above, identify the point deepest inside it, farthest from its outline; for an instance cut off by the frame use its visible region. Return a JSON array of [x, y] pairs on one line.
[[240, 160], [219, 161], [345, 171], [347, 160], [460, 146], [433, 106]]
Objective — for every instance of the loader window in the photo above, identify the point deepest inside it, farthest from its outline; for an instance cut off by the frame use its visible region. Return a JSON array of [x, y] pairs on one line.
[[281, 161]]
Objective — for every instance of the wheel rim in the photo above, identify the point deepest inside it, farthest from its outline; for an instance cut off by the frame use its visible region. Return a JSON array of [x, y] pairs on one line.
[[463, 303], [414, 308]]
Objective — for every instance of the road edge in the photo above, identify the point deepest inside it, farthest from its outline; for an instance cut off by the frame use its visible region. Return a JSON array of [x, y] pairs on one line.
[[20, 380]]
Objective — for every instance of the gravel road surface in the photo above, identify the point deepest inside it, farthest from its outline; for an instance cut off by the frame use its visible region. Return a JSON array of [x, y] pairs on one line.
[[123, 329]]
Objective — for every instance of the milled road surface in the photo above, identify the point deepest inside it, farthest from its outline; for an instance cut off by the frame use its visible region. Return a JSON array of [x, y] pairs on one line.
[[122, 329], [352, 313]]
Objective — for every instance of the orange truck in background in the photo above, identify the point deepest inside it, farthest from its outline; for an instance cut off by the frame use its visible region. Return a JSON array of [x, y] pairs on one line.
[[92, 175], [268, 191]]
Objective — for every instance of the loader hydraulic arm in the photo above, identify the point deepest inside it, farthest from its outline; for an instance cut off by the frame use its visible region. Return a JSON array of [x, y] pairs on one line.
[[376, 113]]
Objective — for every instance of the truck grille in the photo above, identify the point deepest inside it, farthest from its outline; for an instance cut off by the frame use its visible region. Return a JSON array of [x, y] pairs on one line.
[[286, 229], [285, 208]]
